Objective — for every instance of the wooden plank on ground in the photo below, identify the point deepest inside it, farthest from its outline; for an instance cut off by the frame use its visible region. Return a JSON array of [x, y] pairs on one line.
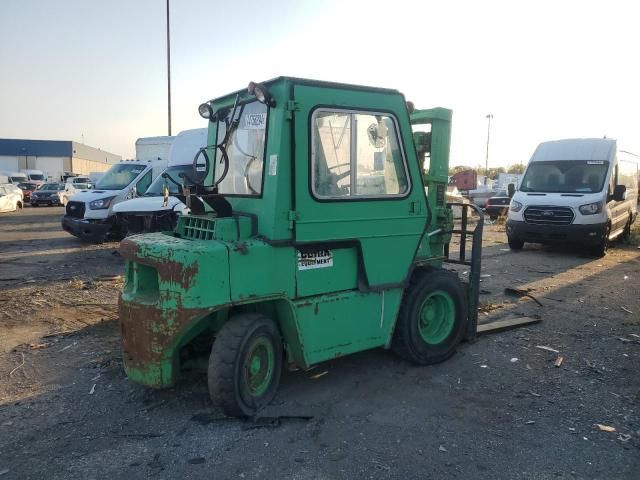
[[507, 324]]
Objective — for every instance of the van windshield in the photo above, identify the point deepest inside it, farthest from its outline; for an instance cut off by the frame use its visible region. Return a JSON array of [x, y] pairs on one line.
[[36, 176], [119, 176], [565, 176], [155, 190]]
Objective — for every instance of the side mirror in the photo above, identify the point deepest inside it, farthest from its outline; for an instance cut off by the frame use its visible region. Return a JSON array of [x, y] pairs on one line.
[[620, 193], [511, 188]]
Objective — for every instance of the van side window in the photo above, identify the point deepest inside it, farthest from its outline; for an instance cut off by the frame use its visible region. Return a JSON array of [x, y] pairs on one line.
[[143, 183], [356, 155]]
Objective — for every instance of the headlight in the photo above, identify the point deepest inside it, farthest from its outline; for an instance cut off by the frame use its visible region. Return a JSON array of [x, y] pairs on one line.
[[591, 208], [205, 111], [101, 204], [515, 206]]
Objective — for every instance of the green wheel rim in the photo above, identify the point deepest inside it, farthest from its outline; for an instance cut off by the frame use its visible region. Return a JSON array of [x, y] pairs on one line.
[[436, 317], [258, 366]]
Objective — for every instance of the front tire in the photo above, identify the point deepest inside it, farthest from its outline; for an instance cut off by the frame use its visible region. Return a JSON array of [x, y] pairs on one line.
[[600, 250], [515, 243], [245, 364], [432, 318]]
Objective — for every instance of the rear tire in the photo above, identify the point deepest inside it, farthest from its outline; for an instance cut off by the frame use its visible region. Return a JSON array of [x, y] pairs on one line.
[[432, 318], [515, 243], [245, 364]]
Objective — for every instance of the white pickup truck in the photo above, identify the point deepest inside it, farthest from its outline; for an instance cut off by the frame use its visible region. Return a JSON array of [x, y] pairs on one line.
[[154, 211]]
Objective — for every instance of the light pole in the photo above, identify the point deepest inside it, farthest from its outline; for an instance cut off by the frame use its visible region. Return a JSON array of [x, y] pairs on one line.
[[168, 72], [486, 162]]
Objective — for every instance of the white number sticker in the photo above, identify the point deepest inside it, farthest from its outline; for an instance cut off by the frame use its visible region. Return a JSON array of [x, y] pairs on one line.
[[273, 165], [255, 121]]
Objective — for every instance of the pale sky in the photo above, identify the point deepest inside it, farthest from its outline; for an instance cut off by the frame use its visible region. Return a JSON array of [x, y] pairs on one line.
[[544, 69]]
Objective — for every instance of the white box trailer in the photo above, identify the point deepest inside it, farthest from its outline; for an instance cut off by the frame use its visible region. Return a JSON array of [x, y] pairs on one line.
[[153, 148]]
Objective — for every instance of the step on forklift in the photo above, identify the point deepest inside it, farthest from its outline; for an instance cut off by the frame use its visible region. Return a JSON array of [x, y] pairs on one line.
[[319, 227]]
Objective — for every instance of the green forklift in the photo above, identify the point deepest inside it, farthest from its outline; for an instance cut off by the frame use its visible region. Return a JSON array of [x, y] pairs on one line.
[[319, 227]]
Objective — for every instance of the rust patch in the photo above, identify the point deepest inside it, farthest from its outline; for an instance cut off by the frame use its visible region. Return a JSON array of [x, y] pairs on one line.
[[241, 247], [128, 249], [147, 336], [315, 309]]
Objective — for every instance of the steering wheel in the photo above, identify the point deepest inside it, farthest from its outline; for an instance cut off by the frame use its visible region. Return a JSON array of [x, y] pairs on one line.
[[340, 176], [247, 167]]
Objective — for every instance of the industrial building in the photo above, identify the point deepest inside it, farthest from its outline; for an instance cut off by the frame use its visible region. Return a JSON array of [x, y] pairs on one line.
[[53, 157]]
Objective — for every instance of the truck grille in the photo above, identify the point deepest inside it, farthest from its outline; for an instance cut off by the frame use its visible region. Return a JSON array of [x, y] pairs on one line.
[[75, 209], [548, 215], [196, 228]]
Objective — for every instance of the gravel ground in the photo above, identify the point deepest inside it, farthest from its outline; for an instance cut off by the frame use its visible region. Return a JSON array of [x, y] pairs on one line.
[[499, 409]]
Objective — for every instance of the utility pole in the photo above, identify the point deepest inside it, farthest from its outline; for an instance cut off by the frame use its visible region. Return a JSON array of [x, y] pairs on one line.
[[168, 72], [486, 162]]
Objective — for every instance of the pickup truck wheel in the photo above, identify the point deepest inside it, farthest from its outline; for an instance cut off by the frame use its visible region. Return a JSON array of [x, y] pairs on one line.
[[515, 243], [245, 365], [432, 318]]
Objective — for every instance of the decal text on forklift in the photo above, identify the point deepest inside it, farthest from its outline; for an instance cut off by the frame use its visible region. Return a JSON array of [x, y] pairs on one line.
[[315, 259]]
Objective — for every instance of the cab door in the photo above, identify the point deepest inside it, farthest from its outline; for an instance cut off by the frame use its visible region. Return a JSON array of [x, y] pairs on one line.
[[358, 186]]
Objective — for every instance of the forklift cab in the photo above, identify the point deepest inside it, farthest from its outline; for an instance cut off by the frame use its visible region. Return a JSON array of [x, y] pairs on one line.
[[323, 242]]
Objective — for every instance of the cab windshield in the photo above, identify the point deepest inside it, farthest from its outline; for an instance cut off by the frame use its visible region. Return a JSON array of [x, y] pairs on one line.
[[565, 176], [52, 187], [245, 149], [155, 189], [119, 176], [36, 176]]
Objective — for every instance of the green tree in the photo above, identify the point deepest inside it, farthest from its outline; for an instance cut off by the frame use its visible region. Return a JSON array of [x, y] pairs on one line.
[[458, 168], [515, 168]]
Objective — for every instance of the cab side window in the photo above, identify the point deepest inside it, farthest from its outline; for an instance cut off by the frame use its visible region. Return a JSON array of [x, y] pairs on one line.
[[144, 183], [356, 155]]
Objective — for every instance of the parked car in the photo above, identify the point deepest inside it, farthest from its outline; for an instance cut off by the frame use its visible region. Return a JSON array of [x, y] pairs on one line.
[[10, 197], [52, 194], [498, 205], [27, 188]]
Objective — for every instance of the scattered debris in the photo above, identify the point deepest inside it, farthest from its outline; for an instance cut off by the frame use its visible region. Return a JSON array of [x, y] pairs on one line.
[[4, 471], [507, 324], [624, 437], [514, 360], [520, 292], [38, 346], [604, 428], [548, 349], [488, 307], [634, 335], [93, 389], [21, 365], [626, 310], [484, 366], [442, 449], [529, 422], [535, 394], [558, 361], [625, 340]]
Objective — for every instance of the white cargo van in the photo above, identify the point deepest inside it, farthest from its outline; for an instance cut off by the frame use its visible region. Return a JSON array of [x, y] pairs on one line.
[[575, 190], [154, 211], [14, 177], [35, 176], [89, 214]]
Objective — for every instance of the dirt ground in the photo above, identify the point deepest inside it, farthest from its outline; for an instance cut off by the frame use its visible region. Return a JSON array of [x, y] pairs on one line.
[[499, 409]]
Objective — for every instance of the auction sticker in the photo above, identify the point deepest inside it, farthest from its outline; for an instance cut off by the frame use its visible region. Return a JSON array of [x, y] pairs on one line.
[[255, 121], [311, 259]]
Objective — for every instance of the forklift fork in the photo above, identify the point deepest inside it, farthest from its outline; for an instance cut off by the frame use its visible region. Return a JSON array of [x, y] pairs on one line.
[[473, 292]]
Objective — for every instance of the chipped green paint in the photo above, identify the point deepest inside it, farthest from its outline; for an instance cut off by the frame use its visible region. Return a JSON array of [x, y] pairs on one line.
[[186, 283]]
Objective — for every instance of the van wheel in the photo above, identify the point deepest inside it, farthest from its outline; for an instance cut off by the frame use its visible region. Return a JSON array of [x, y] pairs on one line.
[[245, 364], [515, 243], [600, 250], [626, 233], [432, 318]]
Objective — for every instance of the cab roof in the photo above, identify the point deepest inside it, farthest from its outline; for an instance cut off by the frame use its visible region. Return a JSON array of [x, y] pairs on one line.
[[313, 83], [576, 149]]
